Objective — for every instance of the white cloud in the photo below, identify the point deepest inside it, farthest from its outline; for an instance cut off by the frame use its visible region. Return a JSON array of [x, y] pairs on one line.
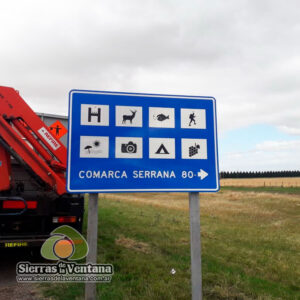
[[278, 145], [266, 156], [289, 130]]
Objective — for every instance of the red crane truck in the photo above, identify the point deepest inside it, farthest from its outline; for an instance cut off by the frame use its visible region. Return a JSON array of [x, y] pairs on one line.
[[33, 196]]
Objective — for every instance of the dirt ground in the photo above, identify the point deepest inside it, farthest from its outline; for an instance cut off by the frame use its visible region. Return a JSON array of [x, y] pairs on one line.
[[9, 288]]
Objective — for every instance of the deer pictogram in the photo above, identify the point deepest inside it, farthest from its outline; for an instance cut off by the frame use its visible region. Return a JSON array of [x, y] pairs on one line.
[[129, 117]]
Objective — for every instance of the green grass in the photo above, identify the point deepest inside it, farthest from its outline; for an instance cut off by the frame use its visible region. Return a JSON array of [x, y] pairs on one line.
[[245, 256]]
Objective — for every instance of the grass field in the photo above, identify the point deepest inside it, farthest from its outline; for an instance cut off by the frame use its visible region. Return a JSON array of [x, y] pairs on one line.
[[264, 189], [262, 182], [250, 246]]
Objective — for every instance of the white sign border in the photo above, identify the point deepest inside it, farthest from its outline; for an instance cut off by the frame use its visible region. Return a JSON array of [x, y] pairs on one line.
[[75, 91]]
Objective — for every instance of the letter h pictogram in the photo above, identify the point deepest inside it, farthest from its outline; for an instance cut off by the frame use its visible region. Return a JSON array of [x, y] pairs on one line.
[[94, 114]]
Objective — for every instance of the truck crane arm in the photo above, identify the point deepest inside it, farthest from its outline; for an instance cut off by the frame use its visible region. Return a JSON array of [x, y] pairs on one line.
[[25, 136]]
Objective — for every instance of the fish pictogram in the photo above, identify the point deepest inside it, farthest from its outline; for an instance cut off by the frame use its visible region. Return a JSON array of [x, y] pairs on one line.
[[161, 117]]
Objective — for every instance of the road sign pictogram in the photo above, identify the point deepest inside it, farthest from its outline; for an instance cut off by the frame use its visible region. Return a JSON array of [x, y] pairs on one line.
[[58, 129]]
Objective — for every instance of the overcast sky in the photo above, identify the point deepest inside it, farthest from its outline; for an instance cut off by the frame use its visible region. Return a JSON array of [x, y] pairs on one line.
[[244, 53]]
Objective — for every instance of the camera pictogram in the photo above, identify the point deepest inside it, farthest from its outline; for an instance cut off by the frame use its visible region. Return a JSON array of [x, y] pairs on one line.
[[130, 147]]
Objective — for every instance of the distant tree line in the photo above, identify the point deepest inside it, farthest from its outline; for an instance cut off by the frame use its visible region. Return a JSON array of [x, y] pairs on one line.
[[260, 174]]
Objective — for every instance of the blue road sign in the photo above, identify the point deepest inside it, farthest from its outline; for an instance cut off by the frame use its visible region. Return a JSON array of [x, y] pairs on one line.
[[125, 142]]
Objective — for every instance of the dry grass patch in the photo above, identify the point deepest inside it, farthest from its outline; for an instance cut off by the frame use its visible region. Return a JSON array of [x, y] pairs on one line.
[[133, 244], [170, 200], [260, 182], [225, 204]]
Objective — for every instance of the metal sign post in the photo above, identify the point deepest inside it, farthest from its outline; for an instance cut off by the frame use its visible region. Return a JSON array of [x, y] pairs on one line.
[[92, 238], [196, 268]]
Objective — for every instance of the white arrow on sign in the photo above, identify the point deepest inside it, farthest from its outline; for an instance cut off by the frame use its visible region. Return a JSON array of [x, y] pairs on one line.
[[202, 174]]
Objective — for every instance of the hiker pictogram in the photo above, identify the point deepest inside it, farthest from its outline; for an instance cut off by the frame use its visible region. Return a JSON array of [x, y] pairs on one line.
[[192, 119], [162, 150]]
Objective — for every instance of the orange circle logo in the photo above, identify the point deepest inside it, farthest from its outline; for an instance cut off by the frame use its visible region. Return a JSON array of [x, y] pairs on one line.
[[63, 248]]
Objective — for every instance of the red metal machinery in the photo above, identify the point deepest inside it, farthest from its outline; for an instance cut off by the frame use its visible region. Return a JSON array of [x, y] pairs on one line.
[[33, 197], [24, 136], [5, 170]]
